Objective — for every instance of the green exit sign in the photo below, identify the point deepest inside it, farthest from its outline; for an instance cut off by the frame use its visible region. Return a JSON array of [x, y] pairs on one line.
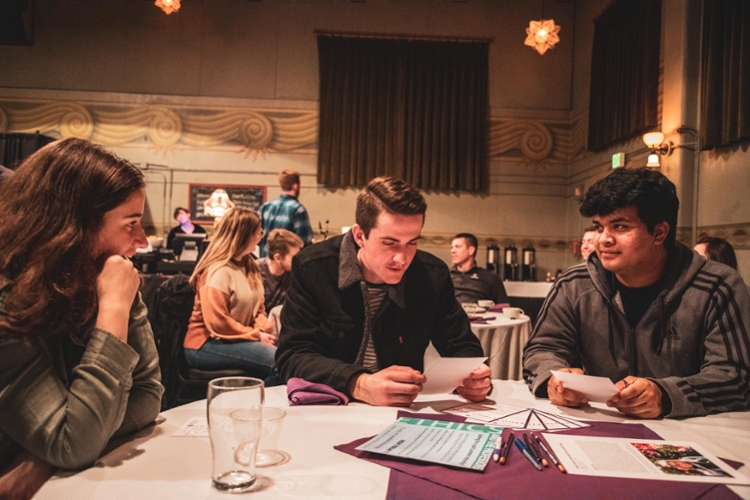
[[618, 160]]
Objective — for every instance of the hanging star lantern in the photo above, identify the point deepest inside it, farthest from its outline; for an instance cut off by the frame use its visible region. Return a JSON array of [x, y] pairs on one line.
[[542, 35]]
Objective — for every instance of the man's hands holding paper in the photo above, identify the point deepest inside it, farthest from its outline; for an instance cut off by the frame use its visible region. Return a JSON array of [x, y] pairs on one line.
[[635, 397], [560, 396], [392, 386], [638, 397], [400, 386], [477, 385]]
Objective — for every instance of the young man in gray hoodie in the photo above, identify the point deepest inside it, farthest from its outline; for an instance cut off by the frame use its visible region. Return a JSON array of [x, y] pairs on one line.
[[645, 311]]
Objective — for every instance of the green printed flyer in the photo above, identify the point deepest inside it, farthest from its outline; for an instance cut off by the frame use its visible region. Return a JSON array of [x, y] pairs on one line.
[[468, 446]]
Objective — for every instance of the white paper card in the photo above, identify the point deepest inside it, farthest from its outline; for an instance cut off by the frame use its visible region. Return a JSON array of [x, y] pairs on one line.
[[641, 459], [598, 389], [195, 427], [445, 374]]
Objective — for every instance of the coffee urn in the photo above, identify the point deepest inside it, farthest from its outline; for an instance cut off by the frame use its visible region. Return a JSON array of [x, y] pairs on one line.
[[528, 266], [510, 266], [493, 258]]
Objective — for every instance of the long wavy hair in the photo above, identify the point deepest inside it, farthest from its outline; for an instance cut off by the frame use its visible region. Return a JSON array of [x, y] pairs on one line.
[[53, 208], [231, 238]]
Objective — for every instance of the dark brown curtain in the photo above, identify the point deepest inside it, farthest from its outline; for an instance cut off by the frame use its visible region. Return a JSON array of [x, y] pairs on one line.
[[411, 109], [14, 148], [725, 86], [624, 72]]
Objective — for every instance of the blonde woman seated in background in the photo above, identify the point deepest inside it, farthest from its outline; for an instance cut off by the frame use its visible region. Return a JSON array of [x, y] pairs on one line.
[[229, 328], [78, 364]]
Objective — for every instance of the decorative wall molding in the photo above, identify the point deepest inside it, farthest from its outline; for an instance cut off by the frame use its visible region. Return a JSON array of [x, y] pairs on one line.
[[538, 141], [167, 125], [738, 235]]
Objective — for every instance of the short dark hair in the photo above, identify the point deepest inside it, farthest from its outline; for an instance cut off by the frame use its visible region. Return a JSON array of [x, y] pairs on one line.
[[287, 179], [389, 194], [650, 192], [720, 250], [178, 210], [471, 241]]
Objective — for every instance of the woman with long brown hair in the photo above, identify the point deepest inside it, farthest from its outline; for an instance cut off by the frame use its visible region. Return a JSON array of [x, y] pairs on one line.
[[78, 364], [229, 327]]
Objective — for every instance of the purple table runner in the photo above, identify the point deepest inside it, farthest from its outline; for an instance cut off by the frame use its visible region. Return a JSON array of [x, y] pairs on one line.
[[517, 479]]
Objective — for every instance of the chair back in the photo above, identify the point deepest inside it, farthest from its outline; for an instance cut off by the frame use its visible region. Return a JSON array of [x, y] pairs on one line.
[[174, 303]]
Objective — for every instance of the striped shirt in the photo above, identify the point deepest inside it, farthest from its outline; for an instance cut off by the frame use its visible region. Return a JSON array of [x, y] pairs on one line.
[[374, 296]]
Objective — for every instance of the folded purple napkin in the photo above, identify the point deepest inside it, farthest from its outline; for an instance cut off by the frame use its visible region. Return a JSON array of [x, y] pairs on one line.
[[480, 320], [419, 480], [498, 307], [301, 392]]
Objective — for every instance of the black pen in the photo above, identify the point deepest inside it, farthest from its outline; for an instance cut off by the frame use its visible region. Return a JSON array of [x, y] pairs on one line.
[[527, 453], [551, 455], [506, 452], [532, 451], [531, 443]]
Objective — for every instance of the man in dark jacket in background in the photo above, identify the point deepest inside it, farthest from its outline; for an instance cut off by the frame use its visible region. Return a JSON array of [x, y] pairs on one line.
[[363, 306], [645, 311]]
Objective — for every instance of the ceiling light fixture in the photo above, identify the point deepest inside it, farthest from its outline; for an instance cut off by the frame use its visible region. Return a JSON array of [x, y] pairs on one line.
[[542, 35], [168, 6]]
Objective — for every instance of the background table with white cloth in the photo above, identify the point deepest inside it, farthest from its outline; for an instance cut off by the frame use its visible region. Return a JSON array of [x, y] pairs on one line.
[[155, 464]]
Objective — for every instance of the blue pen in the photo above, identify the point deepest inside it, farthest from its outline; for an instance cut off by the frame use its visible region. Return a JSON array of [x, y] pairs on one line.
[[525, 451]]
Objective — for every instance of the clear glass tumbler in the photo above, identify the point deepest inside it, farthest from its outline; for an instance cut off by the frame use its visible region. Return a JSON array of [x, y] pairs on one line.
[[235, 420]]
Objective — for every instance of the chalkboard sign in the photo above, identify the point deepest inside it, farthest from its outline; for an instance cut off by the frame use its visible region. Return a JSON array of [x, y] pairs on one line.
[[241, 196]]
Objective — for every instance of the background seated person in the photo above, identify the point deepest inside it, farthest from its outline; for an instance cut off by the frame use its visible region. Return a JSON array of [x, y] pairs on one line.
[[78, 364], [587, 242], [473, 283], [670, 327], [229, 327], [184, 226], [276, 269], [363, 306], [718, 250]]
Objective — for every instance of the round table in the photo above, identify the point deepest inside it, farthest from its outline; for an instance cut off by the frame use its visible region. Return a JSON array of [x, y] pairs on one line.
[[502, 341]]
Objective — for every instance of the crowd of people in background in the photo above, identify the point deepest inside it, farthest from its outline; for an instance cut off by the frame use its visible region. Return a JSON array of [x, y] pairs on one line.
[[78, 363]]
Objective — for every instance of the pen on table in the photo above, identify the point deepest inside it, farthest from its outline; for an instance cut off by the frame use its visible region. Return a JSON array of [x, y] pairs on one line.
[[551, 455], [508, 446], [498, 449], [527, 454], [532, 451], [531, 443]]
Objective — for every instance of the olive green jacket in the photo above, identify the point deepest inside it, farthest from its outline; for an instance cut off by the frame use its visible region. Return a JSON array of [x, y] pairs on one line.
[[63, 399]]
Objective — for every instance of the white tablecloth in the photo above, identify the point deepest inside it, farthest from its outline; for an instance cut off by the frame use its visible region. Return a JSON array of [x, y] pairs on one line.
[[154, 464], [502, 340]]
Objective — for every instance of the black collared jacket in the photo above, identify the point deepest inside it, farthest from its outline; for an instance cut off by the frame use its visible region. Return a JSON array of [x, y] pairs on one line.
[[323, 318]]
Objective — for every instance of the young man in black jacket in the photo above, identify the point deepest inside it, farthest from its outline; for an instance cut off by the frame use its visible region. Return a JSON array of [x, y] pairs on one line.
[[363, 306]]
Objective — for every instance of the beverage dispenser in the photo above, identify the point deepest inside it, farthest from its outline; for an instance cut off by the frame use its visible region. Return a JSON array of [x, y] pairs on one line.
[[493, 258], [528, 267], [510, 266]]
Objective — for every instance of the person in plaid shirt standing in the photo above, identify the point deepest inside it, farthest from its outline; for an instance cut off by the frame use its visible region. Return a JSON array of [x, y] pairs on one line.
[[286, 212]]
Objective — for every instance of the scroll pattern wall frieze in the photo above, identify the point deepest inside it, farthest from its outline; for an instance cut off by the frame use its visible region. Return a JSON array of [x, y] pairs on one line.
[[536, 142], [737, 235], [251, 130], [165, 127]]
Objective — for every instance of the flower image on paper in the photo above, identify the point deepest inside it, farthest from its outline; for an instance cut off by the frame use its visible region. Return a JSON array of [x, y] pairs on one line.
[[679, 460]]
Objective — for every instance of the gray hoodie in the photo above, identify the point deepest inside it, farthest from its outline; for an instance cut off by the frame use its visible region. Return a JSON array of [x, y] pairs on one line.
[[693, 341]]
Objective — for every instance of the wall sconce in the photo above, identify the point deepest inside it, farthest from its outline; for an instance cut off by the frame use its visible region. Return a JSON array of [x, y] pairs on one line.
[[655, 142]]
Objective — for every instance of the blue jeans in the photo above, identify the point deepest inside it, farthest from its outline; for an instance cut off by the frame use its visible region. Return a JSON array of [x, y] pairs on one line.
[[255, 358]]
